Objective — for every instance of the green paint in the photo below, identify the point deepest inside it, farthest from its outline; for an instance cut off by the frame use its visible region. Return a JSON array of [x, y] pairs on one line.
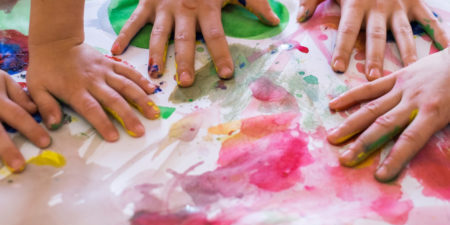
[[166, 112], [301, 73], [311, 79], [382, 140], [102, 50], [430, 31], [200, 49], [299, 95], [237, 21], [56, 126], [17, 19]]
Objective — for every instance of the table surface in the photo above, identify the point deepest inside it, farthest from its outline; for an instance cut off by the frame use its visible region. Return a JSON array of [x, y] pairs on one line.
[[251, 150]]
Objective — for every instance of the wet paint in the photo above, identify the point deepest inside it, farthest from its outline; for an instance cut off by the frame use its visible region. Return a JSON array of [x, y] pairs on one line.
[[120, 120], [166, 112], [346, 137], [178, 218], [311, 80], [430, 31], [48, 158], [13, 51]]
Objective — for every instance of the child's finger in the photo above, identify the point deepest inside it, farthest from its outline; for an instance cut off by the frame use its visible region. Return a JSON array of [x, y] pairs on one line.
[[404, 37], [408, 144], [363, 118], [114, 103], [262, 9], [16, 93], [134, 95], [348, 30], [89, 108], [137, 20], [48, 107], [432, 26], [9, 153], [184, 49], [135, 76], [383, 130], [307, 8], [158, 44], [212, 30], [17, 117], [362, 93], [375, 45]]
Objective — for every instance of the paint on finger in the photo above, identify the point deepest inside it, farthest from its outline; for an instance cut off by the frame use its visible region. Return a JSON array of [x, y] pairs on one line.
[[369, 149], [346, 137], [413, 115], [48, 158], [120, 120], [430, 31]]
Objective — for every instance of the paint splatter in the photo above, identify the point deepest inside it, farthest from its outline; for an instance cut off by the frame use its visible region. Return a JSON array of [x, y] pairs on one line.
[[13, 51], [48, 158], [311, 79], [431, 166], [166, 112]]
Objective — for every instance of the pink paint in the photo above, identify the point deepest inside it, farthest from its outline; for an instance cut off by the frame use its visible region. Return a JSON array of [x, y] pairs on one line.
[[360, 55], [302, 48], [391, 209], [181, 218], [322, 37], [264, 90], [431, 166]]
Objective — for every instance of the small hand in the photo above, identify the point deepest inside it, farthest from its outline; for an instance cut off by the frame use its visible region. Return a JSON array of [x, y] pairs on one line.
[[184, 16], [89, 82], [377, 16], [412, 102], [16, 107]]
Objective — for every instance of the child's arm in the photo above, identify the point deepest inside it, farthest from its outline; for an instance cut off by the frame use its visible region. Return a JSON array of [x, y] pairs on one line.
[[377, 16], [63, 67], [183, 16], [16, 107], [412, 102]]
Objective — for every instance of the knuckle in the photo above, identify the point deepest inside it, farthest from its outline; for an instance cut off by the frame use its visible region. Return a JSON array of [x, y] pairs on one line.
[[184, 36], [377, 32], [88, 106], [410, 136], [347, 28], [404, 29], [214, 34], [385, 121], [434, 106], [372, 108], [158, 31], [124, 85]]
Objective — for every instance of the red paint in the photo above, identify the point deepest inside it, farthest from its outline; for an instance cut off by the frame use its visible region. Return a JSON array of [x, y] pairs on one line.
[[302, 48], [13, 51], [360, 55], [23, 85], [182, 218], [431, 166]]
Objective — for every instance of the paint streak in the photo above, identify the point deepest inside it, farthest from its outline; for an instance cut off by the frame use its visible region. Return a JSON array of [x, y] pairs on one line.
[[264, 90], [431, 166], [120, 120], [13, 51], [391, 209], [48, 158], [300, 47]]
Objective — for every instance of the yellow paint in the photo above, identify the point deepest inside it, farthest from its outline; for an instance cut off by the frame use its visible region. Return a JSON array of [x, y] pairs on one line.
[[120, 120], [136, 106], [368, 162], [225, 128], [177, 77], [48, 158], [345, 138], [165, 55], [413, 115]]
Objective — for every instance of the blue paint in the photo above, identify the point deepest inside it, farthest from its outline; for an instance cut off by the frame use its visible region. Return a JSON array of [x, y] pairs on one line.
[[12, 58], [242, 65], [158, 89], [416, 27], [243, 2], [37, 117], [154, 68]]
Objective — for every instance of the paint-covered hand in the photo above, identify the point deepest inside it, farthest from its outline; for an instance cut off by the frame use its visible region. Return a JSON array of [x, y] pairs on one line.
[[89, 82], [187, 16], [412, 103], [16, 107], [377, 16]]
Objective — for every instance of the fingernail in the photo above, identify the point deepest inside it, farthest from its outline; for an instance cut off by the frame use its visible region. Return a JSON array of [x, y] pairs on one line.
[[53, 123], [185, 79], [301, 13], [226, 73], [333, 103], [153, 70], [155, 110], [45, 141], [113, 136], [16, 166], [339, 66], [381, 173], [115, 48], [139, 129], [374, 74]]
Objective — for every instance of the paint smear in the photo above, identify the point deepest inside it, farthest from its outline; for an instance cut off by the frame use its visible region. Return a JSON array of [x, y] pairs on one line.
[[180, 218], [13, 51], [166, 112], [48, 158]]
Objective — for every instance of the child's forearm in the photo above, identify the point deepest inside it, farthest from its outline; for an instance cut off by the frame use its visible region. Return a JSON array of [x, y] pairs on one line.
[[56, 21]]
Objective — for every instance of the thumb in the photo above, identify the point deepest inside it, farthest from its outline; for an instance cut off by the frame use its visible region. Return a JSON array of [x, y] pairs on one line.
[[307, 8]]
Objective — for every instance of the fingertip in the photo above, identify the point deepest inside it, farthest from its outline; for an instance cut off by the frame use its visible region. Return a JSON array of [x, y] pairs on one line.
[[302, 15], [346, 159], [17, 165], [185, 79], [116, 48], [373, 74], [226, 72], [155, 112], [339, 65]]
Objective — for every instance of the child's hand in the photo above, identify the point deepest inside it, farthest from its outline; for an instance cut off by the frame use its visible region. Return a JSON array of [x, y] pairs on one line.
[[412, 102], [185, 16], [378, 16], [15, 109], [87, 81]]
